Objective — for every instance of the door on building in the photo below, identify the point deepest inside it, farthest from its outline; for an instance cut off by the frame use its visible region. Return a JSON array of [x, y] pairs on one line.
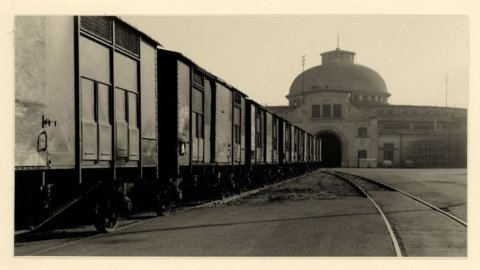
[[362, 154]]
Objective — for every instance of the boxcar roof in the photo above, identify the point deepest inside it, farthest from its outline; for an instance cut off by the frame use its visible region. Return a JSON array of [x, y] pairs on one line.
[[191, 62], [276, 115], [220, 80], [265, 108], [134, 28]]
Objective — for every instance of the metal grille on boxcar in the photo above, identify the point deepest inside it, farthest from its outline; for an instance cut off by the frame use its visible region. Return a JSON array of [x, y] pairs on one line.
[[127, 39], [99, 26]]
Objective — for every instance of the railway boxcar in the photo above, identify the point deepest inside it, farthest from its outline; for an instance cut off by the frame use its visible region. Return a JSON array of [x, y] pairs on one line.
[[84, 114], [262, 144], [318, 150], [285, 137], [206, 154], [103, 114], [299, 149], [311, 151], [309, 148]]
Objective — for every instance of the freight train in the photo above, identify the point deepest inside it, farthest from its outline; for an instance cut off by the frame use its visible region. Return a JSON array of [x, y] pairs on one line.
[[105, 115]]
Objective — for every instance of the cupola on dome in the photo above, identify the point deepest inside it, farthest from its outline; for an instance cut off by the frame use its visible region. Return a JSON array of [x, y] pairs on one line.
[[339, 72]]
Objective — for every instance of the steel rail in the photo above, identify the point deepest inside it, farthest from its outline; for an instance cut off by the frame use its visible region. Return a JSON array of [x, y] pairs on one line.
[[395, 243], [409, 195]]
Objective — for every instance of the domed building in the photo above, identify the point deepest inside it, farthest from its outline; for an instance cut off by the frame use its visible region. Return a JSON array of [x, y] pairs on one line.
[[346, 105], [339, 72]]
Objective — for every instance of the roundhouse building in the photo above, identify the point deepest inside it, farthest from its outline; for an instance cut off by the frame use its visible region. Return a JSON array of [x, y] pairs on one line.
[[346, 105]]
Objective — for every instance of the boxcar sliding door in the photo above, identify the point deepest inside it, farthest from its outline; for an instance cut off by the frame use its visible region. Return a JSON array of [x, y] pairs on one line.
[[95, 95], [237, 128], [198, 119], [126, 103]]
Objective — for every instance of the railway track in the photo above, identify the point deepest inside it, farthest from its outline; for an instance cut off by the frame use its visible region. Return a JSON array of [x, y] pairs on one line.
[[69, 236], [414, 225], [415, 228]]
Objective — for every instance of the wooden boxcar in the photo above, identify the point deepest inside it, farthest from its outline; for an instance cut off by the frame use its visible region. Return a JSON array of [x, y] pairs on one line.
[[103, 113], [84, 113], [262, 144], [207, 150]]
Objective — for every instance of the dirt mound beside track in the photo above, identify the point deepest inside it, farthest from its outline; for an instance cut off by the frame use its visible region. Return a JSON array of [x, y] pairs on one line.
[[318, 186]]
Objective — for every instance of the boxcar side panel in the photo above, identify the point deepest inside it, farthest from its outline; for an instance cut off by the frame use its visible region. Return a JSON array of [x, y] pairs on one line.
[[45, 88], [275, 140], [314, 147], [126, 81], [269, 139], [301, 145], [304, 146], [183, 82], [96, 132], [319, 150], [223, 130], [148, 100], [311, 148], [198, 117], [243, 130], [168, 142], [260, 128], [294, 143], [286, 133], [208, 120], [238, 114], [253, 131]]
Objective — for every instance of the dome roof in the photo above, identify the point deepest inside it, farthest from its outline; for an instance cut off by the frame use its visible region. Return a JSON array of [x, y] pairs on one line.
[[340, 76]]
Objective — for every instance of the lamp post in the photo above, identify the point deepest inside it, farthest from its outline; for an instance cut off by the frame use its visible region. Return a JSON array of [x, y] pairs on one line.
[[446, 89]]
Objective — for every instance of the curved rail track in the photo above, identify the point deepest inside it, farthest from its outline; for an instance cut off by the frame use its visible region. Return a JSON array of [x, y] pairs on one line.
[[407, 226], [367, 186]]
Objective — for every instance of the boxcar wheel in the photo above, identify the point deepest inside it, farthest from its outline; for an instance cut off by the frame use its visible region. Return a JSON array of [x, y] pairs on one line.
[[106, 215], [163, 209], [162, 205]]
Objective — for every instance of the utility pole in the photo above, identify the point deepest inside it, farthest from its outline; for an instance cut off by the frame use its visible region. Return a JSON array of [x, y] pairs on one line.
[[446, 89], [338, 40], [303, 72]]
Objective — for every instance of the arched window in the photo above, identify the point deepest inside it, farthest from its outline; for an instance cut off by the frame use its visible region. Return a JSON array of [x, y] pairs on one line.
[[362, 132], [362, 154]]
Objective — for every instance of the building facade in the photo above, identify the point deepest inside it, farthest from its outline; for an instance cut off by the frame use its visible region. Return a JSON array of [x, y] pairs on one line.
[[346, 105]]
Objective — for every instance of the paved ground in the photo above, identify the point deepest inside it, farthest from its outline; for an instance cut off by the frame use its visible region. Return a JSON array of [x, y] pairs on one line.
[[316, 216], [298, 219], [424, 232], [444, 188], [421, 231]]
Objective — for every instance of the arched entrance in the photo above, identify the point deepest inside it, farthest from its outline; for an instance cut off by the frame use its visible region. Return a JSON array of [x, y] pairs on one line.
[[331, 149]]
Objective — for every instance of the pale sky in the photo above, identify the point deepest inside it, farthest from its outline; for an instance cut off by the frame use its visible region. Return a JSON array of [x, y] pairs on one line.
[[261, 54]]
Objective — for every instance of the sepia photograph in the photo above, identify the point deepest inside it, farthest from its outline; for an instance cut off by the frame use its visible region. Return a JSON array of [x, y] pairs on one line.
[[275, 135]]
